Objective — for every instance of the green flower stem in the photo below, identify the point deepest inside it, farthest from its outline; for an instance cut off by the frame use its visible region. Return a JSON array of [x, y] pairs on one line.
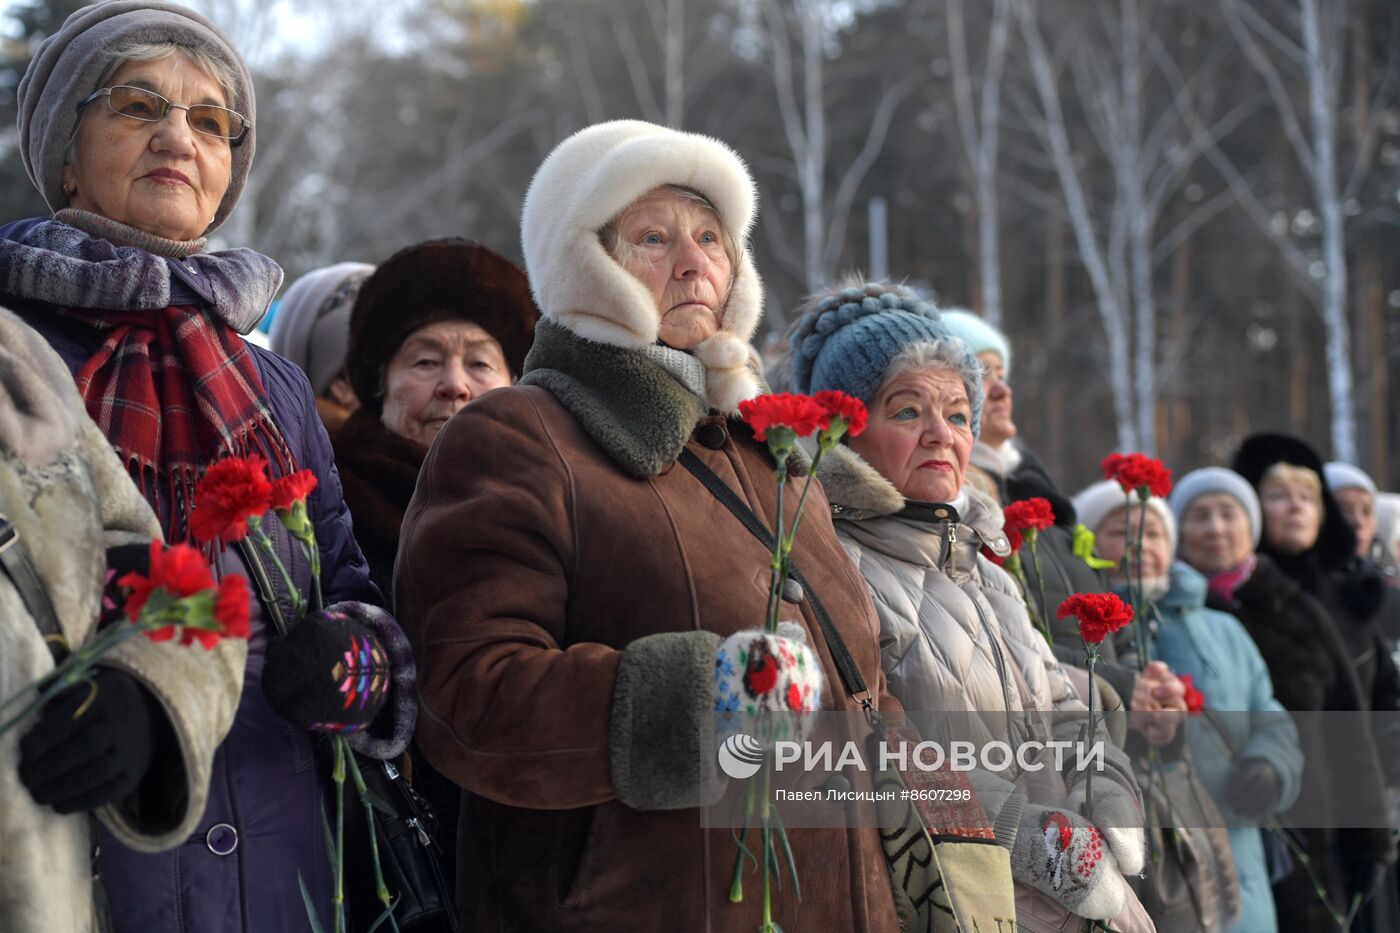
[[338, 776], [381, 890], [779, 566], [75, 669], [1145, 649], [1092, 656], [1032, 536], [261, 539], [767, 850]]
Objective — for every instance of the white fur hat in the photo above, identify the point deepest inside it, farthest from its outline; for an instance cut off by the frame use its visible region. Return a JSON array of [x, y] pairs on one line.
[[587, 181], [1099, 501]]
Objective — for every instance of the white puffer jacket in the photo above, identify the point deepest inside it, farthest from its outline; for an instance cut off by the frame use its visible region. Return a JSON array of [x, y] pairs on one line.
[[954, 633]]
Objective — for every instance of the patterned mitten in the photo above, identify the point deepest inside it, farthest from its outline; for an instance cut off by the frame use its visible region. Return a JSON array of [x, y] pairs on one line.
[[1064, 855], [756, 672], [1119, 818], [330, 672]]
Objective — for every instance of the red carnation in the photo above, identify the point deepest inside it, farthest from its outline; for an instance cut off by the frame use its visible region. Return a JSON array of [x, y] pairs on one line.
[[800, 414], [1028, 515], [846, 407], [1013, 538], [288, 490], [992, 556], [180, 571], [231, 607], [1195, 699], [1099, 614], [232, 491], [1136, 472], [794, 698]]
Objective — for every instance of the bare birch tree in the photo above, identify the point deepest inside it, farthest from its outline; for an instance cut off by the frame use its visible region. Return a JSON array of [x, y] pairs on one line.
[[979, 124], [1309, 56], [803, 113]]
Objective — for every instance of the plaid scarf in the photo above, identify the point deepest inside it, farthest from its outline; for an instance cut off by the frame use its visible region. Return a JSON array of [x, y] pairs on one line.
[[174, 390]]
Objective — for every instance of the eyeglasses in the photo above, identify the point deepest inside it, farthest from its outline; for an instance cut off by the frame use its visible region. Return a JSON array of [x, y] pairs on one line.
[[149, 107]]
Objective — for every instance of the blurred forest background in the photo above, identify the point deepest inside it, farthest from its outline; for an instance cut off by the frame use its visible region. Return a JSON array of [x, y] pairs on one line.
[[1186, 213]]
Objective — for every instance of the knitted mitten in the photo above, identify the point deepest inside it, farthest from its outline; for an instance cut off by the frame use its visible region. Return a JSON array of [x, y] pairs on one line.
[[757, 672], [1064, 855], [1118, 816], [330, 672]]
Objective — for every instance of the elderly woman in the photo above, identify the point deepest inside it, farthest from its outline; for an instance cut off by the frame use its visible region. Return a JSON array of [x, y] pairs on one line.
[[136, 123], [954, 632], [1221, 523], [312, 329], [1249, 764], [567, 584], [438, 325]]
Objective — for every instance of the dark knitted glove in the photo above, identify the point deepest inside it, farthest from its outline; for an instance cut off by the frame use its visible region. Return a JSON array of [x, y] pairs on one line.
[[128, 558], [329, 673], [78, 764], [1254, 788]]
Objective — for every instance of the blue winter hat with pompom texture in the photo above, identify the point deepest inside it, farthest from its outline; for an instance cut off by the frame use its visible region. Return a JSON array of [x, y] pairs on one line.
[[852, 336]]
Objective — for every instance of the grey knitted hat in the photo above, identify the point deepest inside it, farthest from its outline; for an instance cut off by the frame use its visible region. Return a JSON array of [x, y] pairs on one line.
[[846, 340], [1217, 479], [1341, 475], [312, 326], [69, 64]]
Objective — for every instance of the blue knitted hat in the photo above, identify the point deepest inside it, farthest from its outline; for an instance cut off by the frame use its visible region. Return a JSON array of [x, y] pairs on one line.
[[846, 340]]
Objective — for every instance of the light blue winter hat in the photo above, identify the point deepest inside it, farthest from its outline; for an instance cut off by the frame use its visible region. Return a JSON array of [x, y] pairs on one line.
[[1217, 479], [846, 339], [979, 335]]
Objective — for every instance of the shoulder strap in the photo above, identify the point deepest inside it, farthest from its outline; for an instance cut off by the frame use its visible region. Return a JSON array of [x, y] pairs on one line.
[[266, 594], [845, 664], [15, 565]]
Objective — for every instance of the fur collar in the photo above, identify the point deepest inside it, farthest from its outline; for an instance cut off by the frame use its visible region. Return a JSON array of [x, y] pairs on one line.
[[858, 492], [631, 406]]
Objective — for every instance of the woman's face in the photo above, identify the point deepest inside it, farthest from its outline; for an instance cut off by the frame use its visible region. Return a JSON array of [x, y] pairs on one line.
[[439, 369], [920, 434], [1292, 514], [1215, 533], [163, 178], [674, 246], [1359, 509], [1111, 540], [997, 426]]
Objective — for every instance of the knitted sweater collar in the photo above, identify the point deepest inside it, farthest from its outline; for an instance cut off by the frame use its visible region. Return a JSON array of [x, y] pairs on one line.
[[632, 406], [106, 266]]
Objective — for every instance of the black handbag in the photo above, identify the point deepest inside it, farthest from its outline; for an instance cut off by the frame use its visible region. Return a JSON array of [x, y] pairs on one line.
[[404, 826]]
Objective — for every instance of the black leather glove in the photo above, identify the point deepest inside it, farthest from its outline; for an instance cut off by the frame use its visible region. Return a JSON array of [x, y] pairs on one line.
[[330, 672], [102, 756], [1254, 788]]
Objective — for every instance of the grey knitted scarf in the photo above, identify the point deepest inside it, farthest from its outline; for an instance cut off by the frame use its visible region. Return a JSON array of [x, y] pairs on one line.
[[56, 263]]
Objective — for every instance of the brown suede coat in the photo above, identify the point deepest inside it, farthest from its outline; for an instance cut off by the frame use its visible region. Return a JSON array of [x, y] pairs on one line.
[[530, 559]]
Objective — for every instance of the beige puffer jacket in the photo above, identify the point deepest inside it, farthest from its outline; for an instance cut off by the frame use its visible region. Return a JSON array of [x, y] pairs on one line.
[[955, 637], [69, 498]]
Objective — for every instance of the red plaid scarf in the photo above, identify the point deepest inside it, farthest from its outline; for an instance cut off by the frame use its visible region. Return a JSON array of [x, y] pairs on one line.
[[174, 390]]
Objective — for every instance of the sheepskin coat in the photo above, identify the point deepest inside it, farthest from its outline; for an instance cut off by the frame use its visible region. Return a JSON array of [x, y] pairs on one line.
[[70, 498], [566, 583]]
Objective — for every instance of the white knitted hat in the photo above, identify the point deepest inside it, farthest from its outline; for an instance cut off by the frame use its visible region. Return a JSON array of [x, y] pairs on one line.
[[1102, 499]]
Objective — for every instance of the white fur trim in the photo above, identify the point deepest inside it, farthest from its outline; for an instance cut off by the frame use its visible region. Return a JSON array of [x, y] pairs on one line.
[[588, 180]]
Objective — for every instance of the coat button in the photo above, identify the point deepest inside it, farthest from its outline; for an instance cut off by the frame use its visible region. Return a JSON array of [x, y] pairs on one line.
[[792, 591], [940, 513], [221, 839], [710, 435]]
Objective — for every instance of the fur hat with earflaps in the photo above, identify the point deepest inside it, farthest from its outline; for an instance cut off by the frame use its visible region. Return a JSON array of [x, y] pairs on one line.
[[1258, 454], [587, 181]]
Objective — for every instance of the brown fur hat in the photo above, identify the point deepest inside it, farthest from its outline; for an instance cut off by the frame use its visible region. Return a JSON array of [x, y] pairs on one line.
[[438, 280]]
